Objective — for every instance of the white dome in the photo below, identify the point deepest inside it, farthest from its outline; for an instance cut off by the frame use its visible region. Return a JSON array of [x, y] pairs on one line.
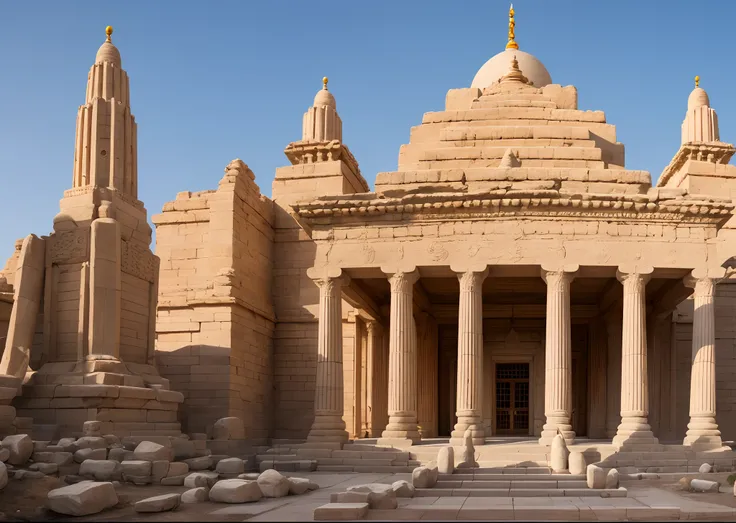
[[499, 65]]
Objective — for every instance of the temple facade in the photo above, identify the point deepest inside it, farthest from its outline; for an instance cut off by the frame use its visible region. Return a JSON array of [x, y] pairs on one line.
[[511, 277]]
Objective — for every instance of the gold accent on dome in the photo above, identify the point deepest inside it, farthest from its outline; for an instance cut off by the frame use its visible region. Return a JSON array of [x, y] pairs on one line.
[[697, 81], [108, 32], [512, 42], [324, 82]]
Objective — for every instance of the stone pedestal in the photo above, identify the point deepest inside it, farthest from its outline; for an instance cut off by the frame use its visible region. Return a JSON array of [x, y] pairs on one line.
[[470, 359], [558, 356], [329, 425], [702, 431], [401, 429], [634, 431]]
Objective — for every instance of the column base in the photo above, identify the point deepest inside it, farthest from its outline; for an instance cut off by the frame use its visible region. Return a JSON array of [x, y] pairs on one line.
[[328, 428], [475, 424], [401, 427], [555, 426], [703, 434], [635, 434]]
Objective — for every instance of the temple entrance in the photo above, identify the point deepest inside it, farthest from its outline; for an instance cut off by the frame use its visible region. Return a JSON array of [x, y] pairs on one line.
[[512, 398]]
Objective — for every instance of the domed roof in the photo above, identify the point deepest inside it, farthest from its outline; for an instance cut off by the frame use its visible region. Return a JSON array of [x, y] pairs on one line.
[[324, 97], [498, 66], [108, 52], [698, 97]]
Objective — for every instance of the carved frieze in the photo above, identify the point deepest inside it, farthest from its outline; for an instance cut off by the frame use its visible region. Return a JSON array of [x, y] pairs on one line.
[[138, 261], [70, 246]]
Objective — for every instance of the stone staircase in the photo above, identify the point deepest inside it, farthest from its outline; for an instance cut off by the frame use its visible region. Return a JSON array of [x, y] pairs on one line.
[[515, 482]]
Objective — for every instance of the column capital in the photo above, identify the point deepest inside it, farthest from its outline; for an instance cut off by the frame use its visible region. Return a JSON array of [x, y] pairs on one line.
[[703, 287], [323, 275], [634, 273], [397, 275], [568, 271], [373, 327], [471, 279], [462, 268]]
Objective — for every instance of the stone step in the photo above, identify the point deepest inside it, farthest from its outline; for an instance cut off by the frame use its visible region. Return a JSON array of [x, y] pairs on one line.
[[492, 103], [365, 468], [493, 163], [340, 512], [515, 483], [461, 131], [486, 476], [511, 143], [276, 457], [533, 114], [288, 466], [523, 153], [620, 492]]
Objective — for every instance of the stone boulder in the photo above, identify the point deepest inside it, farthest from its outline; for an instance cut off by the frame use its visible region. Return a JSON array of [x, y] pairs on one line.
[[446, 460], [230, 466], [173, 481], [577, 463], [200, 479], [194, 495], [199, 463], [136, 468], [3, 475], [704, 485], [100, 469], [92, 428], [45, 468], [4, 454], [298, 486], [558, 454], [20, 447], [705, 468], [612, 479], [273, 484], [228, 428], [235, 491], [150, 451], [380, 496], [89, 453], [421, 477], [403, 489], [160, 503], [177, 468], [82, 499], [596, 477], [91, 442]]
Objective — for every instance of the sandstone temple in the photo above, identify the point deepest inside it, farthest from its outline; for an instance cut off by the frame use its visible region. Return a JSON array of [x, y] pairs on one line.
[[512, 277]]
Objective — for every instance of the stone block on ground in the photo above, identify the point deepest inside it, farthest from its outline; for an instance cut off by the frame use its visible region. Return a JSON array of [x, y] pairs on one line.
[[704, 485], [92, 428], [135, 468], [596, 476], [20, 448], [120, 455], [421, 477], [705, 468], [235, 491], [100, 470], [446, 460], [340, 512], [380, 496], [91, 442], [273, 484], [298, 486], [82, 499], [576, 463], [558, 454], [150, 451], [160, 503], [45, 468], [403, 489], [88, 453], [183, 448], [249, 475], [200, 463], [159, 470], [27, 474], [194, 495], [612, 479], [230, 466], [199, 479], [173, 481], [177, 468], [228, 428]]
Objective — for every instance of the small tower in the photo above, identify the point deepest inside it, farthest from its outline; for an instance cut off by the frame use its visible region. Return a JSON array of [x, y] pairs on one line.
[[321, 121], [701, 122]]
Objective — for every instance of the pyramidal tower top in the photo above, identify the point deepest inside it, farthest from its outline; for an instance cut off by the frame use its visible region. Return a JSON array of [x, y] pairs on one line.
[[106, 152]]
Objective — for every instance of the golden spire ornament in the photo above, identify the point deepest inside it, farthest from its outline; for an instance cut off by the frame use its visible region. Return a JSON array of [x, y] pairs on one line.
[[108, 32], [512, 42], [324, 82], [697, 81]]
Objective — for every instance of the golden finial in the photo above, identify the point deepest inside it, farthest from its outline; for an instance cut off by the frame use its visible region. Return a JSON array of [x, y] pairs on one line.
[[108, 32], [697, 81], [512, 42], [324, 82]]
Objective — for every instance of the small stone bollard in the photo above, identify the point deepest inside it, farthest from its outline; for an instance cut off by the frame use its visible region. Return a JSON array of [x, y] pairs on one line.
[[704, 485]]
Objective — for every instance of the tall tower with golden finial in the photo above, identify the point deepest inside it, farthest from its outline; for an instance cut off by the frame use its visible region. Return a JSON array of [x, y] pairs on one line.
[[512, 25], [701, 121], [321, 121]]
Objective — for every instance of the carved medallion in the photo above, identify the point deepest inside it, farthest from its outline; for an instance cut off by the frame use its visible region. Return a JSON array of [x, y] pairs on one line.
[[369, 253], [70, 246], [438, 252]]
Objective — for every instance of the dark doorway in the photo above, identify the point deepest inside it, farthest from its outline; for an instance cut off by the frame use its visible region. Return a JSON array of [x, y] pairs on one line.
[[512, 398]]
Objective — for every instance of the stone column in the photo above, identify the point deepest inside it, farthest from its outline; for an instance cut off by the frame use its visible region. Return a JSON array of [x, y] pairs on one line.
[[378, 379], [702, 431], [329, 401], [470, 358], [401, 429], [634, 431], [558, 356]]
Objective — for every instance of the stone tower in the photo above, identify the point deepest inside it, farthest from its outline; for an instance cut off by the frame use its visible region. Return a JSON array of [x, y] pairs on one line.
[[96, 294]]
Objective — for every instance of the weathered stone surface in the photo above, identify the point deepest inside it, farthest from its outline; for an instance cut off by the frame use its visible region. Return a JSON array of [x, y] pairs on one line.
[[446, 460], [612, 479], [135, 468], [91, 442], [704, 485], [236, 491], [199, 479], [684, 483], [92, 428], [249, 475], [403, 489], [596, 477], [45, 468], [100, 470], [20, 447], [194, 495], [230, 466], [200, 463], [577, 463], [89, 453], [83, 498], [3, 475], [705, 468], [228, 428], [160, 503], [340, 512], [150, 451], [273, 484], [4, 454], [559, 454], [120, 455], [183, 449], [177, 468], [380, 496], [173, 481], [27, 474], [298, 486], [159, 469], [421, 477], [468, 461], [68, 444]]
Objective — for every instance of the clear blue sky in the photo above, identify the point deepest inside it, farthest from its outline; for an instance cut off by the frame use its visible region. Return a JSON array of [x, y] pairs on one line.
[[212, 81]]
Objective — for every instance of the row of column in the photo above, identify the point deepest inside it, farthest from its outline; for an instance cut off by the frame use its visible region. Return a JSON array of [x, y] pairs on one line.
[[633, 430]]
